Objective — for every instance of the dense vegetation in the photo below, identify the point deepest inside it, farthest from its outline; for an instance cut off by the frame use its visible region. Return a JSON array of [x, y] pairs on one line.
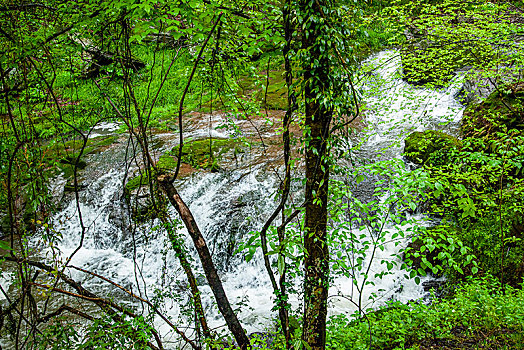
[[159, 67]]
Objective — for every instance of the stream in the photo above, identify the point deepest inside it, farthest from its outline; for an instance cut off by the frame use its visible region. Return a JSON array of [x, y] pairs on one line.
[[230, 204]]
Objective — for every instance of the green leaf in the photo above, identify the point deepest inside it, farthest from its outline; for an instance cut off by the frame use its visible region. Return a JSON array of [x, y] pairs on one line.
[[5, 245], [281, 264]]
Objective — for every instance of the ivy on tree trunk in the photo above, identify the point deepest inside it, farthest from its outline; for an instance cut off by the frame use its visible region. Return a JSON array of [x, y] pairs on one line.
[[317, 120]]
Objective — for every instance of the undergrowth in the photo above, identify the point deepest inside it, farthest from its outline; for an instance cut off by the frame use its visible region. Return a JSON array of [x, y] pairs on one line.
[[479, 315]]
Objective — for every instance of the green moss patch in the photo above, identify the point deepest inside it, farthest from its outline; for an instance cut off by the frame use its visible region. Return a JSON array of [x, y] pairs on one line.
[[254, 89], [204, 154], [420, 146], [198, 154], [65, 154], [137, 182]]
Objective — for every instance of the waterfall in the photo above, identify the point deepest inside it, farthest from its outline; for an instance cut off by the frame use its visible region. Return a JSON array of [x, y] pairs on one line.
[[228, 206]]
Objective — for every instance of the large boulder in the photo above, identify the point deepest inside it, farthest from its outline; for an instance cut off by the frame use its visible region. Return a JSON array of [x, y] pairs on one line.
[[420, 146]]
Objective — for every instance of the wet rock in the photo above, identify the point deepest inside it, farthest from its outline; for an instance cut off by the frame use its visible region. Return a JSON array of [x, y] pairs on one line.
[[436, 285], [475, 89], [70, 186], [164, 38], [100, 59], [119, 216], [208, 153], [80, 164], [420, 146]]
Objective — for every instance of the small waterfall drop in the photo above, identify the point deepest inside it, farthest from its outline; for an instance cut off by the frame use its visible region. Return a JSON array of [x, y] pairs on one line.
[[228, 205]]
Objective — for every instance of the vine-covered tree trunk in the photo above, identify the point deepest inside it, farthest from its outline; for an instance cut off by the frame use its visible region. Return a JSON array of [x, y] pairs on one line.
[[316, 73]]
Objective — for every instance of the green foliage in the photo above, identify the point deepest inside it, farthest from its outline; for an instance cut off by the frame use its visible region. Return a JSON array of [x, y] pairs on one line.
[[360, 228], [103, 333], [486, 241], [420, 146], [439, 251], [479, 189], [54, 88], [440, 41], [206, 153], [502, 113], [479, 312]]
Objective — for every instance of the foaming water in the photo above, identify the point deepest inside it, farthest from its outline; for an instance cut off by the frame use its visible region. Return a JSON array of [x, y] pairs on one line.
[[394, 108], [229, 205]]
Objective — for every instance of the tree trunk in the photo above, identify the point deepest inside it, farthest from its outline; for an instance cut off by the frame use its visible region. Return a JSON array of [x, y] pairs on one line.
[[195, 292], [318, 117], [207, 263]]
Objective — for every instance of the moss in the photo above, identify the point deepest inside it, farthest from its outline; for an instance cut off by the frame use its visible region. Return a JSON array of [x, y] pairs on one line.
[[72, 160], [276, 92], [136, 182], [276, 97], [502, 111], [206, 153], [200, 154], [94, 145], [166, 162], [420, 146]]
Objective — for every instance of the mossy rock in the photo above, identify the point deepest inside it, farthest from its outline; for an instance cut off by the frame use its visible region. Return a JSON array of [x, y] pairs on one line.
[[72, 160], [143, 211], [72, 148], [276, 97], [66, 153], [200, 154], [205, 153], [276, 92], [70, 186], [502, 111], [136, 182], [166, 163], [420, 146], [142, 208]]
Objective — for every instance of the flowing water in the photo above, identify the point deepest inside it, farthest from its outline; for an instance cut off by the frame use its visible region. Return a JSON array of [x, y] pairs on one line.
[[228, 205]]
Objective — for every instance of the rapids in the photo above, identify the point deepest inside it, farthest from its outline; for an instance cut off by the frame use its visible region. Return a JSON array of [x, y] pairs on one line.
[[228, 205]]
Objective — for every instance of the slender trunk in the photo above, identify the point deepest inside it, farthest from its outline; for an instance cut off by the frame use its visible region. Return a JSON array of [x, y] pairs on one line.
[[207, 263], [195, 292], [318, 117]]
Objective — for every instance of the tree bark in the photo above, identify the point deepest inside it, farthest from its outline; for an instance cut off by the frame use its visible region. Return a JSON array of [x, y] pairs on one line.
[[186, 266], [210, 271], [317, 120]]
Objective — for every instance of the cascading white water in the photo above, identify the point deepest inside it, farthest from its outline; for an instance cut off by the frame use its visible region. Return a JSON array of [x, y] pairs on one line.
[[393, 109], [228, 205]]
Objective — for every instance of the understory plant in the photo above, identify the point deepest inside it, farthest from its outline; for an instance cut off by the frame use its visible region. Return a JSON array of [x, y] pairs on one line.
[[479, 313]]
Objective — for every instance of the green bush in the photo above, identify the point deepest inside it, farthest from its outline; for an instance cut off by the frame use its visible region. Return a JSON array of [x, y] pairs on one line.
[[479, 312]]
